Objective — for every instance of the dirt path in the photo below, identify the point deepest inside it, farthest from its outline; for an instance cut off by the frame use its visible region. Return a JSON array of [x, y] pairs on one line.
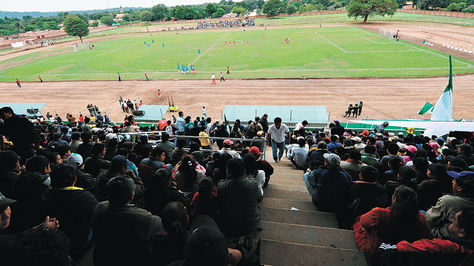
[[383, 98]]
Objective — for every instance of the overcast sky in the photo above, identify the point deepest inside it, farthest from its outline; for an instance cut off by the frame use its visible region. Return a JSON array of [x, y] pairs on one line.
[[70, 5]]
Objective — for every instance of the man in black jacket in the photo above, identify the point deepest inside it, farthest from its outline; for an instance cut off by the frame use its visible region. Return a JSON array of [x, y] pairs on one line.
[[96, 163], [18, 129], [72, 205]]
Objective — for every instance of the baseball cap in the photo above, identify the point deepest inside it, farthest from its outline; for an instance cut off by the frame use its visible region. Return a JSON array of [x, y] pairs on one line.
[[75, 160], [254, 150], [228, 142], [332, 159], [5, 202]]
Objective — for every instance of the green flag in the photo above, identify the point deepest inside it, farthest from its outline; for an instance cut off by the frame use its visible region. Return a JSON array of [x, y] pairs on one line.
[[443, 109], [428, 107]]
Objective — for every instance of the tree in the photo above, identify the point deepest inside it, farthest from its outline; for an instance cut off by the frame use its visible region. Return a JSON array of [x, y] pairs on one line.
[[75, 26], [211, 9], [95, 23], [107, 20], [146, 15], [126, 17], [219, 13], [365, 8], [401, 3], [239, 10], [272, 8], [183, 12], [291, 9], [159, 12]]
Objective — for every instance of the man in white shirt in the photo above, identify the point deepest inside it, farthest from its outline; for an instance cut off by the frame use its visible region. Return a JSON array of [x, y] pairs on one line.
[[278, 136]]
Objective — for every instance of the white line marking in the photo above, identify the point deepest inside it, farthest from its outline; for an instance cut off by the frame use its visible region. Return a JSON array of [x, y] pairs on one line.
[[208, 49], [344, 51]]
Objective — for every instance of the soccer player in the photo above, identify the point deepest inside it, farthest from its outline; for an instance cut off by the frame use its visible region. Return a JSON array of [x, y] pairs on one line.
[[159, 94], [222, 77], [40, 79], [225, 44], [247, 42], [234, 43], [146, 77], [194, 69], [228, 70], [178, 68], [18, 83], [213, 77], [118, 77]]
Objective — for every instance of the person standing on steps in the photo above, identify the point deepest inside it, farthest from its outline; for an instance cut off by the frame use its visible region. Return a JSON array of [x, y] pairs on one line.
[[277, 137]]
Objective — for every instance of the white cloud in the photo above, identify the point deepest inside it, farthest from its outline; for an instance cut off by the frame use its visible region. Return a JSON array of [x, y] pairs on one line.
[[70, 5]]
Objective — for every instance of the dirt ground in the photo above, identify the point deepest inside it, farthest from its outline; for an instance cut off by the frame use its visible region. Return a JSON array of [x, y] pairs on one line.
[[383, 98]]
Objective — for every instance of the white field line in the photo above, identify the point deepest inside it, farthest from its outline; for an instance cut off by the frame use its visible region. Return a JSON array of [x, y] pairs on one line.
[[372, 41], [247, 71], [344, 51], [412, 46], [208, 49]]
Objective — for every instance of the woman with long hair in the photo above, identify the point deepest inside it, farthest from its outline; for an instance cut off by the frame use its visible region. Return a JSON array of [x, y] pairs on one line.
[[187, 176], [401, 221]]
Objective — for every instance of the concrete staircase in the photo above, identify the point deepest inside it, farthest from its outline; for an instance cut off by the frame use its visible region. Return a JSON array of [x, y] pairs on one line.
[[294, 231]]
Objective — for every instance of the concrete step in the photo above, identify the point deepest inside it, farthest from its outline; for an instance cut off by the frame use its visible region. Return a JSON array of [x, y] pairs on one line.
[[299, 188], [285, 194], [309, 235], [303, 205], [292, 254], [287, 181], [312, 218]]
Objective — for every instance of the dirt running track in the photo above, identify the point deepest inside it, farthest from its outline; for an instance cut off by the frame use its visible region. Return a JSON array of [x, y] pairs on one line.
[[383, 98]]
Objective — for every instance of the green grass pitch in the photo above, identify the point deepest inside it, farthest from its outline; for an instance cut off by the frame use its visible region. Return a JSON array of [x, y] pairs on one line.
[[312, 52]]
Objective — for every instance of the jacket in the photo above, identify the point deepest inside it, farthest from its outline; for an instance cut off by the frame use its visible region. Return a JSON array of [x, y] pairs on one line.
[[73, 207], [440, 216], [93, 165], [331, 188], [316, 159], [238, 204], [122, 234]]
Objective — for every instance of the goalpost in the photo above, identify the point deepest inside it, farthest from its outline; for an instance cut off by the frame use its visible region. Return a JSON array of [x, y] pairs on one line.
[[389, 33], [80, 46]]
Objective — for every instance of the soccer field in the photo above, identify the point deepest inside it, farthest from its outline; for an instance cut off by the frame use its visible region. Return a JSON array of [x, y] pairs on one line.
[[311, 52]]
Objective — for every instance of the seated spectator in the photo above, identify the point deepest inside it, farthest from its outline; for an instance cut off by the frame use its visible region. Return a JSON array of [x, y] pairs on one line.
[[239, 213], [421, 164], [251, 171], [161, 191], [188, 177], [179, 152], [456, 164], [394, 164], [456, 250], [299, 155], [95, 164], [29, 192], [439, 217], [205, 201], [75, 141], [227, 144], [72, 205], [316, 156], [334, 144], [353, 165], [329, 186], [262, 164], [401, 221], [358, 144], [84, 180], [113, 245], [369, 157], [9, 172], [118, 167], [166, 146], [148, 166], [367, 194], [465, 153], [392, 151], [437, 183], [168, 245]]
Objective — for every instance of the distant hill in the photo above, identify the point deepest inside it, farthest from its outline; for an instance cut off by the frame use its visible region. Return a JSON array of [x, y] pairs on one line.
[[54, 13]]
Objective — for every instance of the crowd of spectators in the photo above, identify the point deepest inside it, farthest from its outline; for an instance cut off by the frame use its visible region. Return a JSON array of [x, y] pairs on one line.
[[146, 196], [247, 22], [408, 198], [130, 193]]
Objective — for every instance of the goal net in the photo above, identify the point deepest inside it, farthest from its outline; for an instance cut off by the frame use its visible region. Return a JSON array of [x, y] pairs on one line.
[[80, 46], [389, 33]]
